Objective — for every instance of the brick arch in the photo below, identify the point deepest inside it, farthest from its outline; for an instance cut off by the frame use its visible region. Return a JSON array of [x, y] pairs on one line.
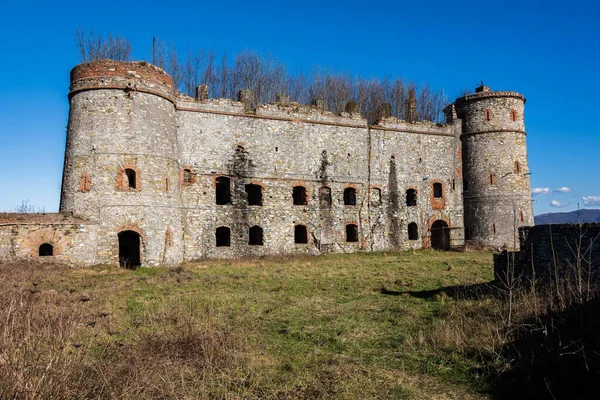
[[432, 219], [45, 235], [121, 182], [129, 226]]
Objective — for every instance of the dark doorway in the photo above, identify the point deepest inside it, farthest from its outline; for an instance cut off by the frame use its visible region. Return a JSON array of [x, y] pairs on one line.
[[223, 236], [413, 231], [440, 235], [222, 190], [349, 197], [255, 236], [300, 234], [299, 195], [46, 250], [351, 233], [129, 249], [411, 197], [254, 193]]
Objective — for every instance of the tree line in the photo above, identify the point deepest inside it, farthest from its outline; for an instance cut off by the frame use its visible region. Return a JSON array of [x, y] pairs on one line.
[[267, 78]]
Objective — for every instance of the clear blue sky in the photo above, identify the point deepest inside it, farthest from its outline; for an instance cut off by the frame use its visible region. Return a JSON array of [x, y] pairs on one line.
[[547, 50]]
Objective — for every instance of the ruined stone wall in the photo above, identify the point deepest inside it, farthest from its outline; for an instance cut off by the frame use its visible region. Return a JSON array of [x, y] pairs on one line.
[[127, 120], [280, 147], [548, 248], [21, 236], [497, 193]]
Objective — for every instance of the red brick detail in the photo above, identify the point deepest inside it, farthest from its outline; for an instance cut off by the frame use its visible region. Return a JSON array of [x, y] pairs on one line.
[[437, 203], [517, 167], [187, 176], [514, 115], [85, 184], [168, 238], [427, 238], [122, 182], [45, 235], [110, 69], [487, 115]]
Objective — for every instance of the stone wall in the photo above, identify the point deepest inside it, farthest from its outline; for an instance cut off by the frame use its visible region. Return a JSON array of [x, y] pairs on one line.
[[543, 248]]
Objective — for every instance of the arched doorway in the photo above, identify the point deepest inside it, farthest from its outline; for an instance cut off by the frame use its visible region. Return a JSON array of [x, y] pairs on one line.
[[440, 235], [129, 249]]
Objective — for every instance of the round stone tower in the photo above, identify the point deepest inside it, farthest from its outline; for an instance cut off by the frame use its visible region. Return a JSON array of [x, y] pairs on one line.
[[121, 161], [497, 192]]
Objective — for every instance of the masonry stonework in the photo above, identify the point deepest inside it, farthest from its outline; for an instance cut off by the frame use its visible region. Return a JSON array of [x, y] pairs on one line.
[[151, 175]]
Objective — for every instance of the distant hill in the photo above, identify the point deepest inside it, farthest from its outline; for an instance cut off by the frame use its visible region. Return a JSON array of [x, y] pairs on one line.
[[572, 217]]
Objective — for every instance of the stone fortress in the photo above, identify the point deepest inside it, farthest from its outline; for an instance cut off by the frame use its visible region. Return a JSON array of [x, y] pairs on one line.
[[155, 177]]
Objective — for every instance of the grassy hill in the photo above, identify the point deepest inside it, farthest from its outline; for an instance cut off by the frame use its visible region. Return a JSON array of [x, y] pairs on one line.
[[413, 325]]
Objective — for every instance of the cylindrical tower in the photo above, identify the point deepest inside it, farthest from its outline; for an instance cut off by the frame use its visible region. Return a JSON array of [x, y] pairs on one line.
[[497, 192], [121, 161]]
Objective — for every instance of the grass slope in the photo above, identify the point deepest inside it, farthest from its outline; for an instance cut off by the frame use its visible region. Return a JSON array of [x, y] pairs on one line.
[[335, 326]]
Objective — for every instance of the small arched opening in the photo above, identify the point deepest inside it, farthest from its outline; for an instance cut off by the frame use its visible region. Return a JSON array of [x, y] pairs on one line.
[[223, 190], [440, 235], [254, 193], [413, 231], [300, 234], [299, 196], [129, 249], [349, 196], [223, 236], [130, 178], [255, 236], [46, 250], [411, 197], [351, 233]]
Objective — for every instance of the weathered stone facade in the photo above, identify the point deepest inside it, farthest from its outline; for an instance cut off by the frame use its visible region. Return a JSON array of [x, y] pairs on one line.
[[157, 177]]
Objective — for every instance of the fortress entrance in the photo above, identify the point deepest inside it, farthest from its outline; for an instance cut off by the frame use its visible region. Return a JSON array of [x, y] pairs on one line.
[[440, 235], [129, 249]]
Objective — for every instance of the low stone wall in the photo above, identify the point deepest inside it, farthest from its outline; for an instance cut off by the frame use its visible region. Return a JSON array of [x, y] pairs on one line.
[[545, 248]]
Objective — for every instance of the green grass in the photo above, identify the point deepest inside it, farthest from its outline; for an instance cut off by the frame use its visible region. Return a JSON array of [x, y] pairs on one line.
[[333, 326]]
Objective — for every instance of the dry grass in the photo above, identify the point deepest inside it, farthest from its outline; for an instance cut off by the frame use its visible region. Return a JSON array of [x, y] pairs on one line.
[[398, 325]]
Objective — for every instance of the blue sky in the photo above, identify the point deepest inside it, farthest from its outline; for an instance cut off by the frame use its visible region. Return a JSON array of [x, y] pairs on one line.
[[547, 50]]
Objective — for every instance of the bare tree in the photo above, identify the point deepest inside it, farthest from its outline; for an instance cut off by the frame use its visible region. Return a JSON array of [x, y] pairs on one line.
[[27, 208], [92, 46]]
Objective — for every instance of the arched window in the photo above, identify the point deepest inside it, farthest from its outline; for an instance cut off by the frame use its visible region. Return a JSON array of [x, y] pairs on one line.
[[413, 231], [325, 196], [223, 236], [255, 236], [517, 167], [411, 197], [438, 191], [222, 190], [299, 195], [187, 176], [130, 178], [300, 234], [254, 193], [46, 250], [513, 115], [349, 196], [351, 233]]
